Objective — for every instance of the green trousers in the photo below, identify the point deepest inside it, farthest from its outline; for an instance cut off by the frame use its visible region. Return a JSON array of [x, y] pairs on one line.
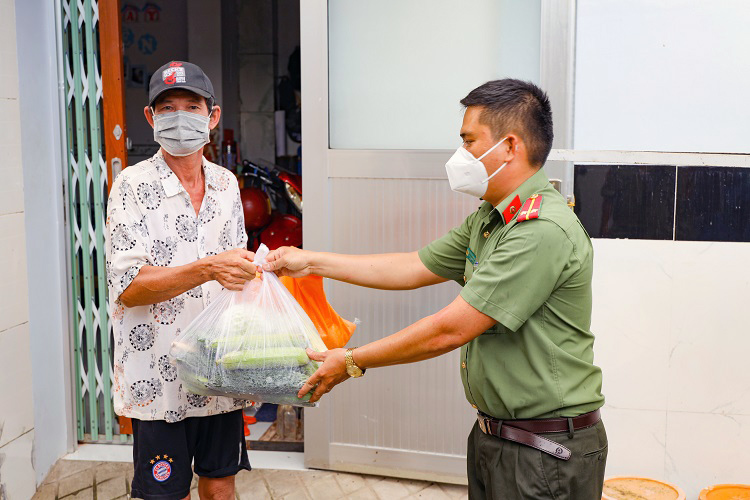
[[503, 470]]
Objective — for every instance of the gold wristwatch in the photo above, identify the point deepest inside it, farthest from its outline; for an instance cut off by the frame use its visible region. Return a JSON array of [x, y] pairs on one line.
[[351, 367]]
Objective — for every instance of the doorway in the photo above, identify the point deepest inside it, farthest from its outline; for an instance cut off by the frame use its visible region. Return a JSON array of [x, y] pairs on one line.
[[250, 51]]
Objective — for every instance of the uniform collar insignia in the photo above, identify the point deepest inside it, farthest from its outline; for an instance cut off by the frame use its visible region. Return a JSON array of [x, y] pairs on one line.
[[511, 205]]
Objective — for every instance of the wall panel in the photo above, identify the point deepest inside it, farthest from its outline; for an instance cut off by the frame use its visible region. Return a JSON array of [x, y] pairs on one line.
[[413, 407]]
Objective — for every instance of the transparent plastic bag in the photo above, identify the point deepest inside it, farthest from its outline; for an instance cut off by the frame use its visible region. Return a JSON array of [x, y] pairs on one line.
[[250, 344]]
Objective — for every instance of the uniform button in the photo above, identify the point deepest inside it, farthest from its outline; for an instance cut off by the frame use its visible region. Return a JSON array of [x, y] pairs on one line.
[[474, 406], [486, 234], [464, 278], [463, 365]]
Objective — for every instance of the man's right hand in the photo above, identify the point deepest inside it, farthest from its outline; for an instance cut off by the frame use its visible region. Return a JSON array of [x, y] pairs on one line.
[[232, 268], [289, 261]]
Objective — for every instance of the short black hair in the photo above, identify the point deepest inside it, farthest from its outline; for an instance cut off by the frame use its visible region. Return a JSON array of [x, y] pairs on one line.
[[511, 105]]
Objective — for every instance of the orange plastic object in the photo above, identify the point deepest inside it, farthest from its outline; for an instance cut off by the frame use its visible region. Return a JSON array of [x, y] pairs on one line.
[[333, 329], [632, 488], [726, 492], [126, 425]]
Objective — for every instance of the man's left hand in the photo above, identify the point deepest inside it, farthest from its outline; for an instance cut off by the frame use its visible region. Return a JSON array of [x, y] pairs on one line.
[[332, 372]]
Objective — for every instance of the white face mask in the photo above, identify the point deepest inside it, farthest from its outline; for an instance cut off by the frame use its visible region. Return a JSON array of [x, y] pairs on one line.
[[467, 174], [181, 133]]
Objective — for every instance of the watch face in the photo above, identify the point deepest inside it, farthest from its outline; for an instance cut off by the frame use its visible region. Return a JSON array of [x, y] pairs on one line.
[[353, 371]]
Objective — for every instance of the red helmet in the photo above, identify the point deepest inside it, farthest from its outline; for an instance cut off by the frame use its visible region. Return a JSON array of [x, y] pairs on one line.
[[256, 205], [284, 230]]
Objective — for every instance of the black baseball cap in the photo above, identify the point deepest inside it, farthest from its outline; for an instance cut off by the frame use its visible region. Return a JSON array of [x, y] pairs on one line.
[[180, 75]]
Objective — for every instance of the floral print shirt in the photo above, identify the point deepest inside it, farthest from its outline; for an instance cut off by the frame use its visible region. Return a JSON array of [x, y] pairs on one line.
[[151, 222]]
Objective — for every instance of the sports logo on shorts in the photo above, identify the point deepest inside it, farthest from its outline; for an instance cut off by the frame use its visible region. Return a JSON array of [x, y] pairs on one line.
[[161, 469]]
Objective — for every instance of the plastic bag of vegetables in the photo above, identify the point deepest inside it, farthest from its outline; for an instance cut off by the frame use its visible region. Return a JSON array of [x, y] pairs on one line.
[[249, 344]]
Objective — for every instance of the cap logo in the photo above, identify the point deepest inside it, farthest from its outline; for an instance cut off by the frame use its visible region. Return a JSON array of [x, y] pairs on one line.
[[173, 74]]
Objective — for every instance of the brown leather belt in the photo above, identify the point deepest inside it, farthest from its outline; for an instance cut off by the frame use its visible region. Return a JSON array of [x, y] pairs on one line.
[[527, 432]]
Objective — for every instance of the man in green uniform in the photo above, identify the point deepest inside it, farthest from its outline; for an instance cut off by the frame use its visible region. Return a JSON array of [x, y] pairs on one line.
[[522, 319]]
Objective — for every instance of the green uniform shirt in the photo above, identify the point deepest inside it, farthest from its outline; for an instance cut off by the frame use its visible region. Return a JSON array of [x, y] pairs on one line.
[[534, 278]]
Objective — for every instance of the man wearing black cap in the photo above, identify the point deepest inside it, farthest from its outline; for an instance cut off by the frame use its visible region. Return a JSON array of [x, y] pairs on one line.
[[175, 237]]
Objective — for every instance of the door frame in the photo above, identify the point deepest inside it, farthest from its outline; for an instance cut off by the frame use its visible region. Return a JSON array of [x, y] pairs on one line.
[[321, 164]]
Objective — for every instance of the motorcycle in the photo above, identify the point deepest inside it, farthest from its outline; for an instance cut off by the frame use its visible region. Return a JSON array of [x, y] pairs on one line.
[[272, 205]]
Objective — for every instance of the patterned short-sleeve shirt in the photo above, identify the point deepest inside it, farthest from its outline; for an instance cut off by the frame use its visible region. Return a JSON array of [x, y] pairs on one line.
[[151, 222]]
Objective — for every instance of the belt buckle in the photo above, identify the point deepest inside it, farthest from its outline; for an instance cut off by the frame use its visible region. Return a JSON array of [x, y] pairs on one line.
[[483, 424]]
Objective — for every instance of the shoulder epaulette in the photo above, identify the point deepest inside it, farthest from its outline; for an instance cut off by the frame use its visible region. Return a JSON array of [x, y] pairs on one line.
[[530, 208]]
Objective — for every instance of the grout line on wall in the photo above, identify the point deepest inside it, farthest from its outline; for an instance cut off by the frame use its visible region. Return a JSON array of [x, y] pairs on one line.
[[690, 412], [13, 326], [674, 211], [17, 437], [11, 213]]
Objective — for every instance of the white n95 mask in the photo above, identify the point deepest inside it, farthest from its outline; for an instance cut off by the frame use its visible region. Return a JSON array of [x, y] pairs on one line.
[[181, 133], [467, 174]]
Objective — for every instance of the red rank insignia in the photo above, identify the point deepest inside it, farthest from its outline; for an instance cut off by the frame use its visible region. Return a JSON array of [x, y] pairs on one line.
[[512, 209], [530, 209]]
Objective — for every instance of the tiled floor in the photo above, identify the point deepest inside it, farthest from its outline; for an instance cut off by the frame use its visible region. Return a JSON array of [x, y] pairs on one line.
[[79, 480]]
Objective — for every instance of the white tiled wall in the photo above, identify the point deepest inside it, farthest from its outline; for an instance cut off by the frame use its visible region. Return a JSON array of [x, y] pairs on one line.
[[672, 340], [256, 81], [17, 479], [17, 415], [256, 73]]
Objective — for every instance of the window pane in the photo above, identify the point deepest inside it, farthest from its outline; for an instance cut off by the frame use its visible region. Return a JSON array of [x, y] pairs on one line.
[[662, 76], [397, 68]]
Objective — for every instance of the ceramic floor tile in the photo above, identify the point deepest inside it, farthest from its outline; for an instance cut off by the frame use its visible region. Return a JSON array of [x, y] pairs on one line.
[[389, 489], [64, 468], [299, 493], [365, 493], [76, 482], [323, 486], [282, 482], [112, 488], [86, 494], [47, 491], [455, 490], [350, 482], [251, 485], [109, 470], [433, 492], [413, 485]]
